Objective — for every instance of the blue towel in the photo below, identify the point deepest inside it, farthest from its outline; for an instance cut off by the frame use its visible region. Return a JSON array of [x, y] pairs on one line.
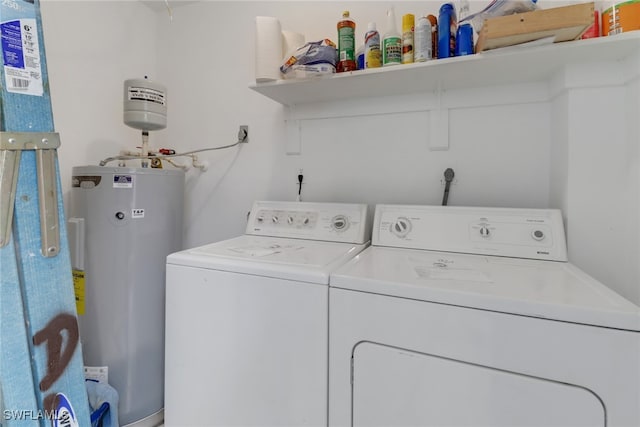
[[103, 400]]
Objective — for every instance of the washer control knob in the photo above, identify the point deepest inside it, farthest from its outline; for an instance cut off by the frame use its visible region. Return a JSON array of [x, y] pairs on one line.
[[537, 235], [340, 223], [289, 220], [260, 219], [401, 227], [305, 221], [484, 231], [274, 219]]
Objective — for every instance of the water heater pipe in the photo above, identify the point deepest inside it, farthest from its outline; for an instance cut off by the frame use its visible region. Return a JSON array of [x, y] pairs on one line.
[[145, 149]]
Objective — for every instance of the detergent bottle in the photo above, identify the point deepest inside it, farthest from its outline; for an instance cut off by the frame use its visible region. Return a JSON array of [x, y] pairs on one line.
[[346, 44]]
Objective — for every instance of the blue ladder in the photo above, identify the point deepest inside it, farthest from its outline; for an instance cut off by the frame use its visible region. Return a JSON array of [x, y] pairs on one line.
[[41, 368]]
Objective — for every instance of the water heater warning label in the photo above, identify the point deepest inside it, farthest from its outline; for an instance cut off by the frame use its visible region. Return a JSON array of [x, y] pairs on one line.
[[146, 94], [21, 57], [122, 181], [79, 290]]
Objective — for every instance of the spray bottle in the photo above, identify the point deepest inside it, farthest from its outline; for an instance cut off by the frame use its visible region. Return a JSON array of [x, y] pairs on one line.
[[447, 26], [372, 55], [423, 44], [408, 23], [391, 42], [464, 34]]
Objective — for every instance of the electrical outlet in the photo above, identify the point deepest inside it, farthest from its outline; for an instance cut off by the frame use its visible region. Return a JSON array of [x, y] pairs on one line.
[[243, 133]]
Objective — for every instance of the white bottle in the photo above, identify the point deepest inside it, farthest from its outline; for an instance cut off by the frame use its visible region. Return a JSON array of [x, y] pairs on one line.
[[372, 54], [423, 42], [391, 42]]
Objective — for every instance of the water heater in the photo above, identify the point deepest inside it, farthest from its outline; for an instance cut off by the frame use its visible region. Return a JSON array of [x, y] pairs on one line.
[[123, 224]]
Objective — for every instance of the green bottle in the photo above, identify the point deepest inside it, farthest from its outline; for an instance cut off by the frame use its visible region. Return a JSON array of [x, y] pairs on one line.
[[391, 42]]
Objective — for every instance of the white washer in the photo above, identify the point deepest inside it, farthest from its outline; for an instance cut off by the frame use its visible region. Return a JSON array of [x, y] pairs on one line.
[[473, 317], [247, 318]]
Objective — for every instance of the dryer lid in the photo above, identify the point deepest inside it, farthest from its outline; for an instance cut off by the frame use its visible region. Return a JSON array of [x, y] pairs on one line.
[[544, 289], [290, 259]]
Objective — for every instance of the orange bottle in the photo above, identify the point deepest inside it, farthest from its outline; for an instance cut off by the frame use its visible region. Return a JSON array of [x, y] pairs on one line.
[[434, 35], [346, 44]]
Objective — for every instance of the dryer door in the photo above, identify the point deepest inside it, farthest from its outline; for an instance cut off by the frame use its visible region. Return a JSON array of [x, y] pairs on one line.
[[393, 386]]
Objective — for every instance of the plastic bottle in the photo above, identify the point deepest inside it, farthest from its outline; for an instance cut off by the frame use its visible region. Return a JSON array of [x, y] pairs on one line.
[[372, 54], [391, 42], [408, 22], [423, 43], [464, 33], [434, 35], [447, 26], [360, 57], [346, 44], [594, 30]]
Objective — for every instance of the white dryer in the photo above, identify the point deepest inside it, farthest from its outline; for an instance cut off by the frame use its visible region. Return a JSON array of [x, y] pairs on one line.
[[247, 318], [473, 317]]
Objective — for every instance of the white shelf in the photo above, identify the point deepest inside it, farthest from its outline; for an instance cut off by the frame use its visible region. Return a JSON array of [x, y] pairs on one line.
[[499, 67]]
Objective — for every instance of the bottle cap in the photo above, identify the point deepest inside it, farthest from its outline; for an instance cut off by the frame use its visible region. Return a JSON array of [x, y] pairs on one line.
[[391, 20], [446, 7], [408, 20], [345, 14], [371, 26]]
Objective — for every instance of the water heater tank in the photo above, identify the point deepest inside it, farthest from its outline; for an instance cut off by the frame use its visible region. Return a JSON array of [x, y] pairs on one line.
[[145, 104], [131, 219]]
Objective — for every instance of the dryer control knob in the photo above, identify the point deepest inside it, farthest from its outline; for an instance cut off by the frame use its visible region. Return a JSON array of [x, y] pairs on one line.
[[401, 227], [537, 235], [289, 220], [340, 223], [274, 219], [484, 231]]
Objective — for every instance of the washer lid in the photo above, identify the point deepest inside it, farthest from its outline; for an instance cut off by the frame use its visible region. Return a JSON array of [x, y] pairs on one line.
[[544, 289], [291, 259]]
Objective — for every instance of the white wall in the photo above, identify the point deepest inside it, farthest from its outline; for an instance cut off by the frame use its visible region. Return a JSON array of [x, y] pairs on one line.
[[602, 178], [92, 47], [500, 153], [509, 146]]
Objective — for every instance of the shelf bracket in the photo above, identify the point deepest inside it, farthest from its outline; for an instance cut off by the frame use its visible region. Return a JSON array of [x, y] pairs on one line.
[[294, 137], [439, 124]]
